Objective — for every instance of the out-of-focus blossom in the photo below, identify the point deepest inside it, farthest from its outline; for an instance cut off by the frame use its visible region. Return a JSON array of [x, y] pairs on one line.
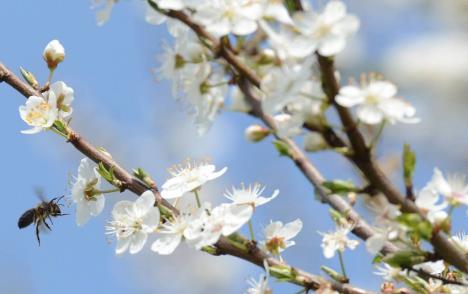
[[454, 188], [376, 102], [256, 133], [337, 240], [428, 201], [222, 17], [329, 30]]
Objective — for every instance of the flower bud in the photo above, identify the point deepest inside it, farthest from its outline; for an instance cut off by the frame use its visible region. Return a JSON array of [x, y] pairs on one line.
[[256, 133], [54, 53], [314, 142]]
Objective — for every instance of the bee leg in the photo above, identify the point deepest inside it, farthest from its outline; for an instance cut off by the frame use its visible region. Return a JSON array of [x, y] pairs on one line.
[[50, 220], [37, 233], [46, 224]]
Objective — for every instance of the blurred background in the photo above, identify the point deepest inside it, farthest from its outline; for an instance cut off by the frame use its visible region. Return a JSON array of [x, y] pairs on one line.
[[119, 104]]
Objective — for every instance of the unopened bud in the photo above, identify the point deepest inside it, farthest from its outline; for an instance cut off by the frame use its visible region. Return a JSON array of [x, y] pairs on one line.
[[256, 133], [54, 53], [29, 77], [314, 142]]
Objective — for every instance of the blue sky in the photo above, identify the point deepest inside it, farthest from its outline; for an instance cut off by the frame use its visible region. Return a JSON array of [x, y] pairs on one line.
[[119, 105]]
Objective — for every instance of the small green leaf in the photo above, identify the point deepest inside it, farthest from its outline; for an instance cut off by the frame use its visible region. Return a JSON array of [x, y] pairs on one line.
[[29, 77], [404, 259], [282, 148], [334, 274], [340, 186], [377, 259], [409, 164]]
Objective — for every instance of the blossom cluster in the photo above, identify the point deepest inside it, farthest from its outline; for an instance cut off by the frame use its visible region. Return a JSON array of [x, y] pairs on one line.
[[202, 226], [41, 112]]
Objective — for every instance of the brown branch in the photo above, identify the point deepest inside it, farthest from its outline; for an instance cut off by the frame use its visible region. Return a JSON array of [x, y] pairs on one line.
[[223, 246], [363, 159], [362, 229]]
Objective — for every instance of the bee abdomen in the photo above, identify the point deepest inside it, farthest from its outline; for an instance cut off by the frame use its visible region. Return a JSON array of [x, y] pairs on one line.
[[27, 218]]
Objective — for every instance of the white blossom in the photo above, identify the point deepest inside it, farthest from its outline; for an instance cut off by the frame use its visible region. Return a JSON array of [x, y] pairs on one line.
[[278, 236], [389, 273], [132, 222], [337, 240], [327, 31], [39, 113], [260, 286], [428, 201], [283, 85], [314, 142], [454, 188], [461, 241], [432, 267], [54, 53], [85, 192], [377, 241], [250, 195], [173, 231], [223, 220], [63, 95], [221, 17], [376, 102], [287, 42], [288, 125], [188, 177], [274, 9], [103, 15]]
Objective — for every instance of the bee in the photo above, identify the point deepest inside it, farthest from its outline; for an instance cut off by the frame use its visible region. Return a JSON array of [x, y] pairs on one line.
[[41, 213]]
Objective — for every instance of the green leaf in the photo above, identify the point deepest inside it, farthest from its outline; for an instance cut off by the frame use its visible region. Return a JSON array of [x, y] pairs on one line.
[[409, 164], [377, 259], [282, 148], [340, 186], [404, 259], [29, 77], [334, 274]]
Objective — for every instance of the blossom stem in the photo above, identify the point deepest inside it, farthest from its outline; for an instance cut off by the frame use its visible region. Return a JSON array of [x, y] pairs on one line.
[[51, 74], [343, 271], [252, 235], [53, 129], [378, 135], [109, 191], [197, 197]]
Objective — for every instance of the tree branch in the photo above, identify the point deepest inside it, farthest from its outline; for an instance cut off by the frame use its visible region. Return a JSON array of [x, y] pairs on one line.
[[363, 159], [252, 254]]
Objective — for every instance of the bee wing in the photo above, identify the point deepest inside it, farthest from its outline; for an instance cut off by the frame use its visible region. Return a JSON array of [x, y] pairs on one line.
[[39, 191]]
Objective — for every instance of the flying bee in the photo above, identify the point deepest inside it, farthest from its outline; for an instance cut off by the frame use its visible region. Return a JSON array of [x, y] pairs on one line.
[[41, 213]]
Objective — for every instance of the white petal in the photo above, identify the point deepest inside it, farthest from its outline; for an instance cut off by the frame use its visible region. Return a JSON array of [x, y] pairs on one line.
[[122, 245], [236, 217], [151, 219], [440, 184], [382, 89], [332, 45], [349, 96], [167, 244], [375, 243], [370, 114], [290, 230], [138, 240], [144, 203], [34, 130], [82, 214], [121, 209], [334, 11]]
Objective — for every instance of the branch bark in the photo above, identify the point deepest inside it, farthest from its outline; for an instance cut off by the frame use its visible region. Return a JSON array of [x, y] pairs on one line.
[[252, 254], [363, 159]]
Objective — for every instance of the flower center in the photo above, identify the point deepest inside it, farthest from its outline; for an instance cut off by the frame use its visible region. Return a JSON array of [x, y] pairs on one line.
[[38, 113], [275, 244]]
